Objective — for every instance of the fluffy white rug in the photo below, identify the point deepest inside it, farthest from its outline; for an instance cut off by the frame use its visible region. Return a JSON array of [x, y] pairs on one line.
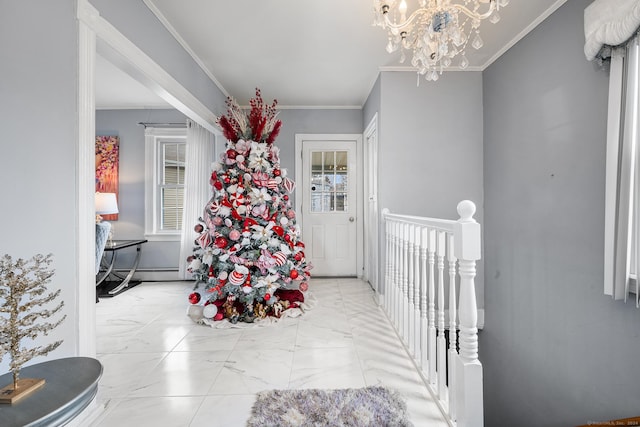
[[355, 407]]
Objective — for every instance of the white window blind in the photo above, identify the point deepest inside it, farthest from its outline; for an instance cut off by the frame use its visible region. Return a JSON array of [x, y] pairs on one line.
[[171, 186], [164, 184]]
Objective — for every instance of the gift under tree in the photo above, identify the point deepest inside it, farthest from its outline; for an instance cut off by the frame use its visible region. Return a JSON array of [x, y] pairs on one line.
[[248, 261]]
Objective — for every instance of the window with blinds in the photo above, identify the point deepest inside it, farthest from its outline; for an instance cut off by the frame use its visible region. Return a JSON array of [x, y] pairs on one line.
[[171, 185], [165, 150]]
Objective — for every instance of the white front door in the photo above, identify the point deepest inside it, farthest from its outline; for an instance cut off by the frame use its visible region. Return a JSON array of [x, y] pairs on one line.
[[329, 205]]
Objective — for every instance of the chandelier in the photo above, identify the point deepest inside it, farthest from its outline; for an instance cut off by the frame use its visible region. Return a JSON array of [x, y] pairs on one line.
[[437, 32]]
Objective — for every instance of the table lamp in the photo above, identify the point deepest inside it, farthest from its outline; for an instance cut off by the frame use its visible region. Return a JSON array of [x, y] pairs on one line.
[[106, 204]]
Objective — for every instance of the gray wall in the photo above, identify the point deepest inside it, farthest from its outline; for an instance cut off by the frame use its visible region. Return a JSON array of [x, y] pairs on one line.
[[429, 145], [38, 107], [131, 198], [556, 351]]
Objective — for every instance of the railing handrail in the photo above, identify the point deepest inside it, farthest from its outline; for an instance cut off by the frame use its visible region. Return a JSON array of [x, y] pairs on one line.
[[437, 223]]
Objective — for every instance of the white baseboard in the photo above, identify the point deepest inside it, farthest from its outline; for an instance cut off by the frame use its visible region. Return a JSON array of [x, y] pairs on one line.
[[153, 275], [157, 276]]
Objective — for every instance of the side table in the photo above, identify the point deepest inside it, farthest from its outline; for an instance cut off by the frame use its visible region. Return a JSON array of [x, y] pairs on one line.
[[112, 249], [71, 384]]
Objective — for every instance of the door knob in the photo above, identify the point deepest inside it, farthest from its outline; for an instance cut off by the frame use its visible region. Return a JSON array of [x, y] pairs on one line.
[[351, 219]]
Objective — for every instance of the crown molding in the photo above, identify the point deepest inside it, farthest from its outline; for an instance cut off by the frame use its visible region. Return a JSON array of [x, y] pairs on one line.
[[523, 33], [164, 21]]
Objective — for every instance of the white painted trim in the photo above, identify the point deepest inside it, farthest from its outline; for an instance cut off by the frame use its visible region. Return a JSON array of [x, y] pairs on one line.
[[319, 107], [616, 71], [523, 33], [360, 206], [375, 270], [160, 276], [405, 68], [85, 189], [164, 21], [357, 138], [119, 50]]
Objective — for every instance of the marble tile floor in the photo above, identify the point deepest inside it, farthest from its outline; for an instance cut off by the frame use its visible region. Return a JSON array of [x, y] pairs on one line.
[[161, 369]]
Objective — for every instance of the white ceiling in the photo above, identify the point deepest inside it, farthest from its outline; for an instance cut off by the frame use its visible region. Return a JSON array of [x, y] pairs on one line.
[[304, 53]]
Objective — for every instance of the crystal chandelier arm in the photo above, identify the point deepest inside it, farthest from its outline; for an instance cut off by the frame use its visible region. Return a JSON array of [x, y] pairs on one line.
[[475, 15], [430, 12]]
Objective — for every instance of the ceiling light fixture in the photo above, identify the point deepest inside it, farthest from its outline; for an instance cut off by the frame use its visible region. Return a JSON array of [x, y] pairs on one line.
[[437, 31]]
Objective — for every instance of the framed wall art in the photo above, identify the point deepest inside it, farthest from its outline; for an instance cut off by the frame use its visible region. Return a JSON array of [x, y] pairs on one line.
[[107, 165]]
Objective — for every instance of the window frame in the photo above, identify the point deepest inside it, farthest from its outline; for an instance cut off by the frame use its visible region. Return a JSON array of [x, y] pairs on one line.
[[622, 178], [155, 138]]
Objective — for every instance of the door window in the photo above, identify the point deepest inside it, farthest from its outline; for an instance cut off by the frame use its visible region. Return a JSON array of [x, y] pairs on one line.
[[329, 184]]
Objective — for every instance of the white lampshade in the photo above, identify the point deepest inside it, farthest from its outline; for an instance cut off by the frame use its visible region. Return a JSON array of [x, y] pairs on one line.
[[106, 203]]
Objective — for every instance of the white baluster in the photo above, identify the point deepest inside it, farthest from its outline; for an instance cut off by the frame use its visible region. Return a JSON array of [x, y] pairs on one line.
[[469, 405], [431, 333], [416, 298], [405, 283], [398, 280], [387, 265], [424, 244], [410, 292], [392, 260], [441, 342], [453, 340], [400, 274]]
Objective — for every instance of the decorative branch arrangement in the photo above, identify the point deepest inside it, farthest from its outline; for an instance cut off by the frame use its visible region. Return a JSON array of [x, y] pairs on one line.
[[23, 291]]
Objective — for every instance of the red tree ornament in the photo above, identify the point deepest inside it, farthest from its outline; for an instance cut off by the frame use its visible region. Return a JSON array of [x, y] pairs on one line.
[[194, 298], [221, 242]]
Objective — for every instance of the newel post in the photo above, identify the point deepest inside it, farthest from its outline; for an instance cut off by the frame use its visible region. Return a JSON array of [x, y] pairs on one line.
[[469, 398]]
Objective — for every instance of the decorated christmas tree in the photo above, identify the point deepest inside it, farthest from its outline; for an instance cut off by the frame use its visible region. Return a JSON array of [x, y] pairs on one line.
[[248, 261]]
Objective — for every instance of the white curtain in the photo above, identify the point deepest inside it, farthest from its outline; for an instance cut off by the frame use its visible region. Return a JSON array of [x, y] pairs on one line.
[[622, 173], [197, 192]]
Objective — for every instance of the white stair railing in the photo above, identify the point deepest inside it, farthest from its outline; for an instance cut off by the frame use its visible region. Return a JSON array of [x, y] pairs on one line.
[[416, 300]]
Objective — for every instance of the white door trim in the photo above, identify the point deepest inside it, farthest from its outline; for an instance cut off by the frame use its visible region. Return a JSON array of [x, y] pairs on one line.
[[372, 272], [85, 188], [357, 138]]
